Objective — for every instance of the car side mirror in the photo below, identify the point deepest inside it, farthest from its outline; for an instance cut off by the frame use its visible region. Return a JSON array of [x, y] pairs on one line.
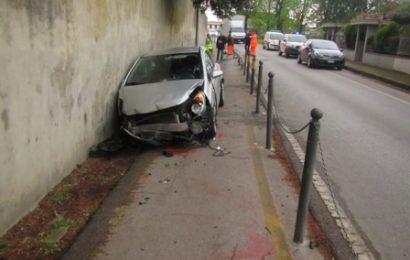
[[217, 73]]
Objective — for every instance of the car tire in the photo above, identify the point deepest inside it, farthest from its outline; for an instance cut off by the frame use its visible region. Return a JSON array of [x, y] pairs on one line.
[[309, 63], [211, 132], [221, 95], [340, 68], [299, 59]]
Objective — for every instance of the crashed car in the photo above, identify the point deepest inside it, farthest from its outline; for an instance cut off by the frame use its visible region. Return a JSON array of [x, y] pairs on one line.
[[172, 96]]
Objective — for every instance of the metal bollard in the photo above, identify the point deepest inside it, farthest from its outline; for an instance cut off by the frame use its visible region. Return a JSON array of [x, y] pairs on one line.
[[258, 90], [270, 112], [248, 64], [309, 166], [253, 72], [244, 63]]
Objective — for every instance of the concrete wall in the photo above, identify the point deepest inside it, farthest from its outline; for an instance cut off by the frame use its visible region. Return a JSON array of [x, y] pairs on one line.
[[62, 61], [387, 61]]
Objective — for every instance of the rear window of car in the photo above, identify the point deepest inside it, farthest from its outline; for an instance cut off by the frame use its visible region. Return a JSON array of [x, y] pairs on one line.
[[296, 38], [151, 69], [276, 36]]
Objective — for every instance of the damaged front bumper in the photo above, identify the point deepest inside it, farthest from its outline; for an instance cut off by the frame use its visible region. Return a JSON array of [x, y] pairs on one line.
[[178, 125]]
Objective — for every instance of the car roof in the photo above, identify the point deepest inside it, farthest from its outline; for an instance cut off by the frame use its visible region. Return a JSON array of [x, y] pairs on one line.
[[320, 40], [274, 32], [178, 50], [287, 34]]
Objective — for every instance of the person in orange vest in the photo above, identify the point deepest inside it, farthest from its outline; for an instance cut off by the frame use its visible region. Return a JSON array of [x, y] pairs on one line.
[[229, 49], [254, 44]]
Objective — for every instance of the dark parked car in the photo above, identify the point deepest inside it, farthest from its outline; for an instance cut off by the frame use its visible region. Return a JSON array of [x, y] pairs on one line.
[[290, 44], [172, 96], [321, 53]]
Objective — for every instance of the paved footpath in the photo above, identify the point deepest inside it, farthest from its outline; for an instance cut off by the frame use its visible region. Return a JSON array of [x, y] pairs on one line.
[[199, 204]]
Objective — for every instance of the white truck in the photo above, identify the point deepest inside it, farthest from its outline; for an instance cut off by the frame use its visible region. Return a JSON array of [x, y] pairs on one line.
[[236, 26]]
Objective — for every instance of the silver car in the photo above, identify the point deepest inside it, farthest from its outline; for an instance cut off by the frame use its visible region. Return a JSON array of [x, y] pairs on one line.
[[172, 96]]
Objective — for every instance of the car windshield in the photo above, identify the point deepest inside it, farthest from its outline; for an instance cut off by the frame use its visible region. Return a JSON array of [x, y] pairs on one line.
[[327, 45], [237, 29], [276, 36], [296, 38], [156, 68]]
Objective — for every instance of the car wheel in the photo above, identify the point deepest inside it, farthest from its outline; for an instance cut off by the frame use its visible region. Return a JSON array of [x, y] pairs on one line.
[[309, 62], [340, 68], [211, 132], [299, 59], [221, 95]]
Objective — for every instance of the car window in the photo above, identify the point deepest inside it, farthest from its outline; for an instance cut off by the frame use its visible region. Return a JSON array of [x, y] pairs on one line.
[[296, 38], [276, 36], [156, 68]]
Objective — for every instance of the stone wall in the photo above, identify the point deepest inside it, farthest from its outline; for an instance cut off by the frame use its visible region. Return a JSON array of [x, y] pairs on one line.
[[62, 62]]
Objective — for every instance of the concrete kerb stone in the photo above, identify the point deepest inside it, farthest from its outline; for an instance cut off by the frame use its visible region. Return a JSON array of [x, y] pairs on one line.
[[345, 244], [394, 82]]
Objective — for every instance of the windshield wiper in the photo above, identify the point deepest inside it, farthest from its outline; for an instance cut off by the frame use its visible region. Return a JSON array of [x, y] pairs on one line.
[[133, 83]]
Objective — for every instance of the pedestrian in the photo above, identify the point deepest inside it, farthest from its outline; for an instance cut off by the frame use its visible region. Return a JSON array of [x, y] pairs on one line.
[[220, 44], [229, 49], [247, 42], [253, 44], [208, 43]]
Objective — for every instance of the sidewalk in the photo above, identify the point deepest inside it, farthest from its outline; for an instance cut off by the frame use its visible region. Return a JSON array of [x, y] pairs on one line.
[[390, 76], [201, 205]]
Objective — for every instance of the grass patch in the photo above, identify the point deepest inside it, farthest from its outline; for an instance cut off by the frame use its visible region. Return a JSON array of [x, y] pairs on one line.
[[3, 245], [58, 198]]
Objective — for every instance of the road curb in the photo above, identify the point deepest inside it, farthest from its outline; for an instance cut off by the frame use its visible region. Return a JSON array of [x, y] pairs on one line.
[[378, 77]]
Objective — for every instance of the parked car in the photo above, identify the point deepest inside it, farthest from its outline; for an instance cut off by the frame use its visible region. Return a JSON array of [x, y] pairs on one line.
[[321, 53], [290, 44], [271, 40], [172, 96]]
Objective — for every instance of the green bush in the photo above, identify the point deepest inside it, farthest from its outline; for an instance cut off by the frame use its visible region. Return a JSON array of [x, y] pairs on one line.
[[386, 39], [350, 36]]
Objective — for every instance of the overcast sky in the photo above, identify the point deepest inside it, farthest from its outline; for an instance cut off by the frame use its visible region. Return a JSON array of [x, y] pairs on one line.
[[211, 16]]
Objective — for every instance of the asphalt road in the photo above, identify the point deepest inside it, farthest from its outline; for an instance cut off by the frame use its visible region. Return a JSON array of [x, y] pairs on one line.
[[365, 136]]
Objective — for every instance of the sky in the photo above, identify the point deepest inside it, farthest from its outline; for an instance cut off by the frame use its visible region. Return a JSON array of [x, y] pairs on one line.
[[211, 16]]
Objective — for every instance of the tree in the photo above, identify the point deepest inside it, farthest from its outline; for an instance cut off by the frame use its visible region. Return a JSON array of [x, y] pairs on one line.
[[402, 14], [299, 9], [226, 8], [337, 11]]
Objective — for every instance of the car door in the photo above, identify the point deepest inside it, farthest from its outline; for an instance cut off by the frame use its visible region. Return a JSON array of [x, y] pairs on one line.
[[213, 82]]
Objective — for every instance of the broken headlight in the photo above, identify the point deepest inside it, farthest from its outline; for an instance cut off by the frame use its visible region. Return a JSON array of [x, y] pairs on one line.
[[198, 105]]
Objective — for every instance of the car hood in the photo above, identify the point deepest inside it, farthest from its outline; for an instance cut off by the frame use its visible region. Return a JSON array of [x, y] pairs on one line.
[[152, 97]]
